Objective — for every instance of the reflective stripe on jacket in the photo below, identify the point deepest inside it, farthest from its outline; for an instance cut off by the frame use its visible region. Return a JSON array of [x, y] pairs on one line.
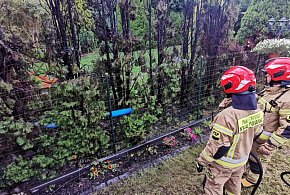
[[277, 115], [235, 129]]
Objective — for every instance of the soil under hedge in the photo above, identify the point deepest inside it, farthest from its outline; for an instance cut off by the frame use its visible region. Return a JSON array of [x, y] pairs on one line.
[[127, 166]]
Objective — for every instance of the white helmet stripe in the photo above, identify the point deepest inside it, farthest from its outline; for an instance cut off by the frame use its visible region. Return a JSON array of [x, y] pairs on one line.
[[242, 84], [227, 76], [273, 66]]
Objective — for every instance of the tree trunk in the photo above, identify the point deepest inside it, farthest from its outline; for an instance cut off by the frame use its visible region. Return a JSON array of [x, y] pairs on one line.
[[162, 10], [214, 28], [74, 35], [108, 60], [114, 30], [188, 15], [55, 8], [149, 6]]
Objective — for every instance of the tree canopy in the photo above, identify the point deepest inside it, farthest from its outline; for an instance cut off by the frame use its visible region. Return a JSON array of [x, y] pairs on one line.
[[255, 20]]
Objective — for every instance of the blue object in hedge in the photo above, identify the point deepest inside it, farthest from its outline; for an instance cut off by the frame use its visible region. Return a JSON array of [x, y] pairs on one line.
[[52, 126], [121, 112], [115, 113]]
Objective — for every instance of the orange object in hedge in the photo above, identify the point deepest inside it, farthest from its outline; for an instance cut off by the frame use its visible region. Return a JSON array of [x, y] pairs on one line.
[[46, 81]]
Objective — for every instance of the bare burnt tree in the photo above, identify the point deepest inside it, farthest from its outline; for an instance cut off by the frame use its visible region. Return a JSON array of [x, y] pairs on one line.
[[215, 33], [107, 31], [112, 11], [149, 18], [188, 9], [124, 10], [106, 25], [74, 34], [195, 30], [126, 31], [194, 38], [162, 18], [215, 19], [68, 50]]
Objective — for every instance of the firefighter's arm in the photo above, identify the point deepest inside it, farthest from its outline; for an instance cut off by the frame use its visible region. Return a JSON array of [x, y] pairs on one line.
[[219, 141], [282, 134]]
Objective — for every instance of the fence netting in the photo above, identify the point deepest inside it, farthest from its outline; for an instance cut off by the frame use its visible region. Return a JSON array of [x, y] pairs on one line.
[[48, 132]]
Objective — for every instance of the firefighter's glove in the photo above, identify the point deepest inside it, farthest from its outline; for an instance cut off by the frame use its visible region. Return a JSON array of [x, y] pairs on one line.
[[266, 148], [199, 167]]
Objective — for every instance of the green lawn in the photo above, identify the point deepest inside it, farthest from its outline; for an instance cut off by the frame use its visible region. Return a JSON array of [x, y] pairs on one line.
[[178, 176], [88, 60], [87, 63], [175, 176]]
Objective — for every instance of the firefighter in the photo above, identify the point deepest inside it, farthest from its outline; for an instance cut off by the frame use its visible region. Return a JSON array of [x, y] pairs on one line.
[[233, 131], [275, 102]]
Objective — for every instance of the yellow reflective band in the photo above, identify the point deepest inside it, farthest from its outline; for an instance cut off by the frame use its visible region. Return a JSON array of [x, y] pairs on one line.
[[233, 147], [250, 121], [266, 104], [231, 164], [206, 156], [284, 112], [265, 135], [223, 129], [278, 139], [226, 162], [228, 192], [262, 101]]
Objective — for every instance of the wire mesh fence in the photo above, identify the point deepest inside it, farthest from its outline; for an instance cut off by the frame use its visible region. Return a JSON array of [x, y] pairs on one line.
[[56, 130]]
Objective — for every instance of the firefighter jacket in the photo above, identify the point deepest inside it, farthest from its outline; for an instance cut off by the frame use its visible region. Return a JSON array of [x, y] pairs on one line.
[[225, 103], [233, 131], [275, 102]]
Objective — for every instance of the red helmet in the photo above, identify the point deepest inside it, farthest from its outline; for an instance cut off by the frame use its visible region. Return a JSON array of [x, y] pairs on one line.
[[278, 69], [238, 79]]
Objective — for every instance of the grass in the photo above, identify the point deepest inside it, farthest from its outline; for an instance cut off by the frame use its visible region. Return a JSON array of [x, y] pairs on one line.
[[272, 183], [178, 176], [175, 176], [88, 60], [87, 63]]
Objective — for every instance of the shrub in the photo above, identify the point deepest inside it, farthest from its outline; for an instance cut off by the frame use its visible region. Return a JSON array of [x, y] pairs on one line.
[[189, 134], [170, 141], [267, 46], [79, 116]]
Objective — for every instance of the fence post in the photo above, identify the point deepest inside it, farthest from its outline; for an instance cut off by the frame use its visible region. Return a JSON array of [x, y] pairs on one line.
[[199, 88], [110, 113]]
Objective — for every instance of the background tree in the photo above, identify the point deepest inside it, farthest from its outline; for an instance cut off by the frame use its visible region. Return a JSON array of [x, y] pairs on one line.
[[255, 22], [244, 4]]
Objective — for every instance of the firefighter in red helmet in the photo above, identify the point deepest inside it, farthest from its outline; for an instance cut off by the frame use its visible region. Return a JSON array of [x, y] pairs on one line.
[[233, 131], [275, 102]]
